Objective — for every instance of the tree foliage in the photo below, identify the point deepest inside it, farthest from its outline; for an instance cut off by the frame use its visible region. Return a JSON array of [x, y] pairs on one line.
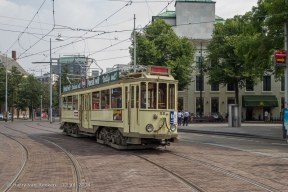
[[159, 45]]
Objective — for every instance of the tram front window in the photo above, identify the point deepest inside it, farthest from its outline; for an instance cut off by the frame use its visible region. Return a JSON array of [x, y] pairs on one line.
[[152, 90], [162, 96]]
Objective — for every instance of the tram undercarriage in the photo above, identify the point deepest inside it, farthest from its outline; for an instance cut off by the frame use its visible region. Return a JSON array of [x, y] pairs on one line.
[[113, 137]]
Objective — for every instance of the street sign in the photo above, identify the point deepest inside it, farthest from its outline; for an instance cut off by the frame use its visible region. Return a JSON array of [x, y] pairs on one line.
[[280, 58]]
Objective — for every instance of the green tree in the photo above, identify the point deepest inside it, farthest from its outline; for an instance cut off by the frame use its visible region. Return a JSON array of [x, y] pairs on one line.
[[237, 54], [159, 45], [30, 91]]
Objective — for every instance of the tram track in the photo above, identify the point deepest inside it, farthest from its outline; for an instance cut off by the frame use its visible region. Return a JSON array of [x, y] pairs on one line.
[[215, 168], [67, 153], [10, 184]]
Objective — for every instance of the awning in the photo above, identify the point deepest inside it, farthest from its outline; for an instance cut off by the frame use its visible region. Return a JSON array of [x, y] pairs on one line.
[[259, 101]]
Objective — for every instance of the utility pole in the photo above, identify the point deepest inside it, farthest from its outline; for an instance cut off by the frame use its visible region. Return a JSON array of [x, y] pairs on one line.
[[6, 94], [59, 82], [41, 97], [134, 44], [201, 83], [50, 107]]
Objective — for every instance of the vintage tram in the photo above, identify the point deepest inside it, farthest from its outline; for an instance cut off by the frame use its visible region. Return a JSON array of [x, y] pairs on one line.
[[123, 109]]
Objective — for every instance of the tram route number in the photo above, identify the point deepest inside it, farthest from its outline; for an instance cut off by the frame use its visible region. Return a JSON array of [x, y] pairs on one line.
[[70, 185]]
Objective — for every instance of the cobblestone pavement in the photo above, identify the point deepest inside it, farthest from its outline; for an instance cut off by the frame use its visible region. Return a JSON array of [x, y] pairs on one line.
[[107, 169], [47, 169], [273, 130], [11, 157]]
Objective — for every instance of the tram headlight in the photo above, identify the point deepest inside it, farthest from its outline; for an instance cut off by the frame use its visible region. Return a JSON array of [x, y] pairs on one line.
[[173, 128], [149, 127]]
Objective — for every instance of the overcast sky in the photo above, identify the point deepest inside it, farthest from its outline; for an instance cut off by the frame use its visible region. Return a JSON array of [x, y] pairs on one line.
[[73, 18]]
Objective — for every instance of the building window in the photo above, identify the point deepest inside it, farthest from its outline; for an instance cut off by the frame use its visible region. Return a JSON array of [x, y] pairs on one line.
[[230, 87], [214, 105], [214, 87], [198, 61], [199, 83], [283, 84], [267, 83], [199, 110], [249, 85]]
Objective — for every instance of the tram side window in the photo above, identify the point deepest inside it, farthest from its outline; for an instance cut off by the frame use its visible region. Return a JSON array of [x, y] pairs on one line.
[[105, 99], [171, 96], [152, 90], [95, 100], [75, 102], [65, 103], [143, 95], [162, 96], [132, 97], [116, 98], [137, 96], [69, 103], [126, 97]]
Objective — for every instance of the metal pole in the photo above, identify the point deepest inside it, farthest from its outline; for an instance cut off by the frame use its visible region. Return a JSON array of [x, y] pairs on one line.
[[50, 85], [286, 77], [134, 44], [6, 94], [41, 98], [201, 84], [59, 104]]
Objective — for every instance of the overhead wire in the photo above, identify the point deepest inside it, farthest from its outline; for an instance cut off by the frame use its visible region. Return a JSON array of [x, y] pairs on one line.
[[26, 27]]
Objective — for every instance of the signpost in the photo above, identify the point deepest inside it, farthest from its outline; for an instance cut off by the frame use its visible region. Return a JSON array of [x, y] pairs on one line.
[[280, 58]]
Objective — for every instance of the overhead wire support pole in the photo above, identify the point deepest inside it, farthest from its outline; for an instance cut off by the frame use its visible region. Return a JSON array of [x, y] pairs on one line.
[[201, 83], [41, 97], [50, 107], [6, 87], [134, 44], [59, 104]]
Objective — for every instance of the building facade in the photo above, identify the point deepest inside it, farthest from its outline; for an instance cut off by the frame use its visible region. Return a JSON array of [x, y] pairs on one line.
[[195, 19]]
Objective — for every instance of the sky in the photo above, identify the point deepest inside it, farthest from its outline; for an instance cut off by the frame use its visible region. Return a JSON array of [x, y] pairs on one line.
[[99, 29]]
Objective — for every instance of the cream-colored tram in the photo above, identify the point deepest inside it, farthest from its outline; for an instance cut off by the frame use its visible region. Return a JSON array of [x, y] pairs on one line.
[[123, 110]]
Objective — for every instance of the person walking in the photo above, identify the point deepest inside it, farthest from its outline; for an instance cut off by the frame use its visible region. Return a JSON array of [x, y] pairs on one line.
[[180, 116], [186, 115], [266, 116]]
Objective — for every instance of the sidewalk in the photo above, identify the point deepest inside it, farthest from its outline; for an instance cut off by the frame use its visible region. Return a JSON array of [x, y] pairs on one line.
[[271, 130]]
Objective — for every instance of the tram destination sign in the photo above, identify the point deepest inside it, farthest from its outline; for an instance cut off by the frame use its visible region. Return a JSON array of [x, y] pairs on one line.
[[85, 83]]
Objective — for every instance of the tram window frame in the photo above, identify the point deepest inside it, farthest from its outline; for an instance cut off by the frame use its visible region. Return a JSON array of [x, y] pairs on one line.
[[75, 102], [64, 103], [152, 95], [116, 95], [105, 96], [171, 96], [95, 103], [69, 101], [162, 96], [137, 96], [143, 95]]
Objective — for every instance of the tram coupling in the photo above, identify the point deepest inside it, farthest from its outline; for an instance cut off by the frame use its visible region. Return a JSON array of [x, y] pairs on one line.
[[165, 142]]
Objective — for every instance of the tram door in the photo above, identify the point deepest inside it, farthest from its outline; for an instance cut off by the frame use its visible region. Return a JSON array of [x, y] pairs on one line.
[[134, 108], [85, 110]]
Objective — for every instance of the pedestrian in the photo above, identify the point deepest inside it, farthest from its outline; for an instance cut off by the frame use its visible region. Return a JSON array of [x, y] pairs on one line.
[[180, 116], [266, 116], [186, 114]]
